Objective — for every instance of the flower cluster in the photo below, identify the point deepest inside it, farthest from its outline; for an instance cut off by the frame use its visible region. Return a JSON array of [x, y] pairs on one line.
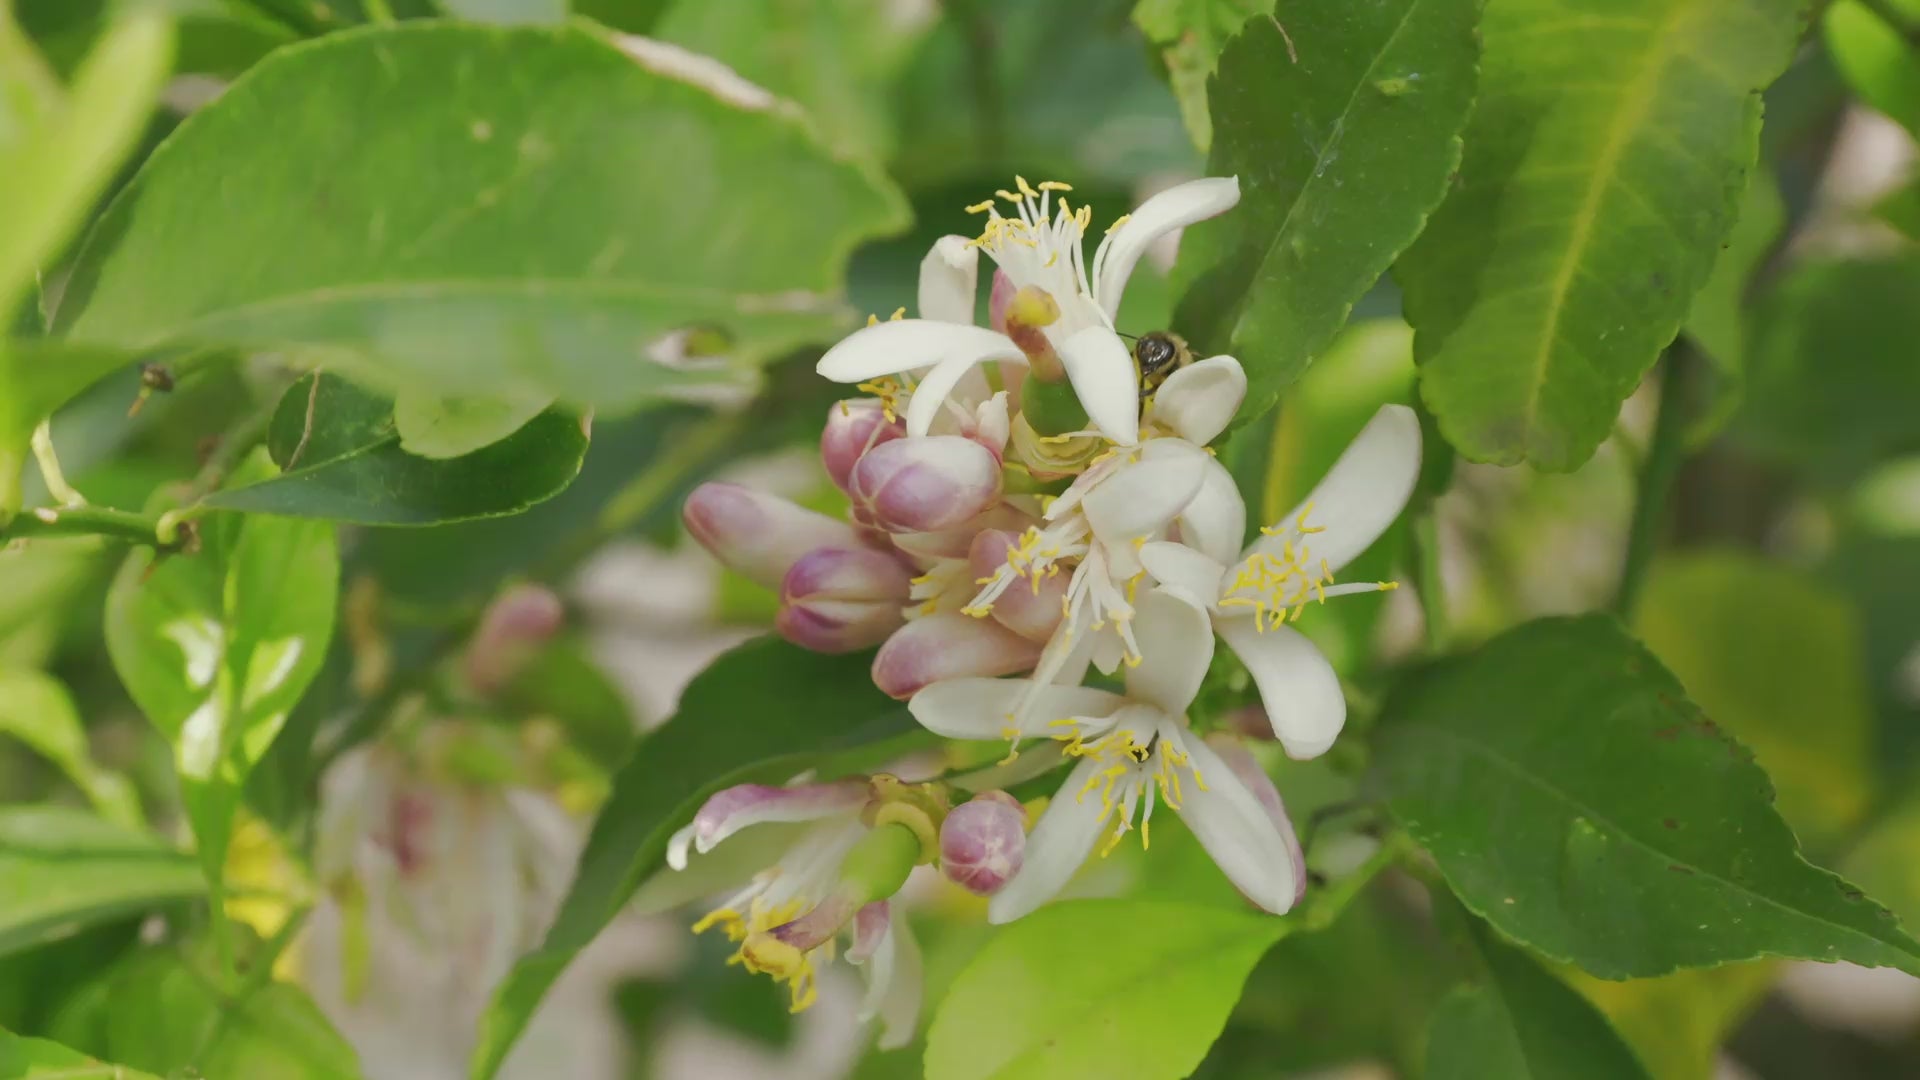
[[1037, 498]]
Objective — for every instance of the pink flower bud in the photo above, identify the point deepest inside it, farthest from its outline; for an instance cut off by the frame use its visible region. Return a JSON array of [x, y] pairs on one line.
[[956, 542], [926, 484], [513, 627], [758, 534], [949, 645], [1028, 608], [983, 842], [837, 600], [854, 427]]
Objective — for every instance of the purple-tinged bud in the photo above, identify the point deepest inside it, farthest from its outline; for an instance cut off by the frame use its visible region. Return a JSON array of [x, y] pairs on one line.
[[926, 484], [983, 842], [854, 427], [1029, 608], [758, 534], [836, 600], [512, 629], [949, 645], [956, 542]]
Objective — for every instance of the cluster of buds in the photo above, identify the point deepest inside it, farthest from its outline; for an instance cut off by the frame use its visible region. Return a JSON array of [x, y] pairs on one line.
[[1037, 498]]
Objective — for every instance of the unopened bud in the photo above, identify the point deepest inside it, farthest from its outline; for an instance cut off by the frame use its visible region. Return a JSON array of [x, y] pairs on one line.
[[836, 600], [1030, 608], [926, 484], [983, 842], [854, 427], [514, 626], [949, 645], [757, 534]]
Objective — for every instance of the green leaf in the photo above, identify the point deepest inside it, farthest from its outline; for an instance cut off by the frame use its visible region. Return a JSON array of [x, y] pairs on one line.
[[62, 870], [173, 1010], [1190, 35], [1343, 128], [537, 245], [1832, 388], [1521, 1023], [36, 709], [507, 12], [348, 464], [1717, 321], [1775, 658], [441, 426], [23, 1059], [761, 713], [1603, 170], [1097, 988], [1880, 60], [1887, 860], [1676, 1023], [1576, 799], [216, 647], [837, 59]]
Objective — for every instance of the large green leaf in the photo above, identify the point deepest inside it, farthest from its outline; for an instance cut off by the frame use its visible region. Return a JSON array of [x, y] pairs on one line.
[[1774, 657], [176, 1011], [37, 710], [1577, 800], [217, 646], [1604, 166], [1717, 321], [1097, 988], [1832, 387], [22, 1058], [344, 460], [443, 226], [1343, 127], [62, 870], [1190, 35], [835, 58], [763, 712], [1521, 1023]]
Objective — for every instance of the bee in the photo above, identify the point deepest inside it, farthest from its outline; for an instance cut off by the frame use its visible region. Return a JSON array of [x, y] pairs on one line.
[[1158, 355]]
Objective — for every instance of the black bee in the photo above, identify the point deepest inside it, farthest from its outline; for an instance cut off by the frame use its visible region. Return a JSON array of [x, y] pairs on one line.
[[1158, 355]]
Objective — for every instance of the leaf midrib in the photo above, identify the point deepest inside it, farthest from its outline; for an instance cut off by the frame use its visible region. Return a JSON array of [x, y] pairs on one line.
[[1515, 769], [1636, 100]]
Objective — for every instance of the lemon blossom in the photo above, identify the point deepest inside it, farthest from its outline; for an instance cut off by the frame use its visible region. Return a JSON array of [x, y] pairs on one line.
[[1071, 304], [1134, 749], [1252, 597], [858, 840]]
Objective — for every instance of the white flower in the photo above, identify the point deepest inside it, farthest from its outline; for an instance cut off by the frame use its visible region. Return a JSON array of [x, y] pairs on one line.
[[1043, 248], [787, 918], [1253, 597], [1134, 749]]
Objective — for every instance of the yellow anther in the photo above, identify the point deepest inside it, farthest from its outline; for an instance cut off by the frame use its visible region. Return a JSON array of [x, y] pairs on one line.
[[980, 207], [1054, 185], [873, 320], [898, 314], [1007, 195], [1119, 221], [1025, 188]]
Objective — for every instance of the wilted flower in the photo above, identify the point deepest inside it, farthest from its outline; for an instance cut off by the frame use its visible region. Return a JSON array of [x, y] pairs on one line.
[[862, 839], [1252, 599], [1134, 749]]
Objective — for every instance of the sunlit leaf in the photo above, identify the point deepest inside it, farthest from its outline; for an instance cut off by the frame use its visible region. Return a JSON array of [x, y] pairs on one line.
[[36, 709]]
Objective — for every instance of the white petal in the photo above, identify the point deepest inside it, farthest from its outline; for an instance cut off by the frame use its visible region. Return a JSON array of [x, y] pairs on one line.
[[1243, 838], [1104, 378], [889, 348], [900, 1005], [1176, 645], [928, 402], [948, 277], [1364, 491], [1198, 401], [731, 809], [1216, 520], [1245, 766], [1176, 207], [980, 708], [1055, 849], [1177, 564], [1298, 686], [1141, 498]]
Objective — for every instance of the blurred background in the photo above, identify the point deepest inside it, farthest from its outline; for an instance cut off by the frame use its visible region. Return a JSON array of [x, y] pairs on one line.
[[1787, 601]]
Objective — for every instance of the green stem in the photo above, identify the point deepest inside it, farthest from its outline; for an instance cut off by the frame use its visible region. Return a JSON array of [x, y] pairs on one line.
[[89, 521], [1658, 469], [12, 464], [1426, 575]]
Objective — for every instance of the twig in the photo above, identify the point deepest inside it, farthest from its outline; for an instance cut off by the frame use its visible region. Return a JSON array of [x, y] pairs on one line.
[[1658, 470], [91, 521]]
